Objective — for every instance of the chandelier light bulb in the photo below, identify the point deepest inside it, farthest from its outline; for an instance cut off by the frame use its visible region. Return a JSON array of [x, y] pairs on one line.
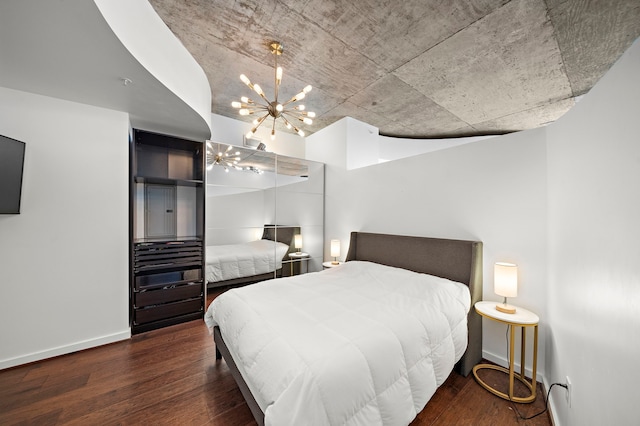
[[249, 134], [288, 125], [245, 100], [273, 135], [307, 120], [258, 89], [301, 133], [300, 96], [244, 111], [307, 89], [279, 108], [311, 114], [236, 104], [300, 107], [244, 79]]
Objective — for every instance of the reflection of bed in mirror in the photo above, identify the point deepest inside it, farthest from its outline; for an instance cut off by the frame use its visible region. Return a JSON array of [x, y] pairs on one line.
[[253, 261]]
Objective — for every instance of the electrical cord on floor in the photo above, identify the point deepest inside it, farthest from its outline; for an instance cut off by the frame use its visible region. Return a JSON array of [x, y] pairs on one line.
[[546, 400]]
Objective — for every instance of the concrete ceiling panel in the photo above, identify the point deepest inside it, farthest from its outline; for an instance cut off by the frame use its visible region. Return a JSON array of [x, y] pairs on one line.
[[523, 120], [404, 108], [592, 35], [494, 67], [432, 68]]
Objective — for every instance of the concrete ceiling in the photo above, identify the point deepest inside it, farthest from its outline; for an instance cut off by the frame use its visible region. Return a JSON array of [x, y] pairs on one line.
[[412, 68]]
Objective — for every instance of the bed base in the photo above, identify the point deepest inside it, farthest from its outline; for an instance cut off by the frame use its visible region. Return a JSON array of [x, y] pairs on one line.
[[223, 352], [457, 260], [246, 280]]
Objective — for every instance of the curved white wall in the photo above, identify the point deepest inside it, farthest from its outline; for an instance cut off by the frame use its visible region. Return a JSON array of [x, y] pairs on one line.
[[152, 43]]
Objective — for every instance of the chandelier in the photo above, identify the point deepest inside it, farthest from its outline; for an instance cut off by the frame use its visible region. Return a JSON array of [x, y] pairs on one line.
[[275, 108]]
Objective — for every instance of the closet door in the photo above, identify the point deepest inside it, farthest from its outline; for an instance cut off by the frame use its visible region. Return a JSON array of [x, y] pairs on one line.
[[300, 203], [160, 211]]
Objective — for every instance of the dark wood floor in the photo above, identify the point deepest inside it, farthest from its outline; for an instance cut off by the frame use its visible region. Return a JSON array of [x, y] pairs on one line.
[[171, 377]]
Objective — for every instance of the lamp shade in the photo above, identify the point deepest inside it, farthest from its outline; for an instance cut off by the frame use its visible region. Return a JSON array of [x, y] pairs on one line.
[[505, 279], [335, 248], [298, 241]]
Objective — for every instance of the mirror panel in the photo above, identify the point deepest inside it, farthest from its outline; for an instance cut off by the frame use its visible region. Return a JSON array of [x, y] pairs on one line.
[[300, 201], [255, 198]]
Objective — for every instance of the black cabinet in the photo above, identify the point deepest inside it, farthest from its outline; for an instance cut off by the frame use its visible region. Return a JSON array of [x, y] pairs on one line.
[[167, 231]]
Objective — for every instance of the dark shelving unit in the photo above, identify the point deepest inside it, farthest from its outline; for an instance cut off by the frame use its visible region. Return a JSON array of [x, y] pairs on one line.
[[166, 273]]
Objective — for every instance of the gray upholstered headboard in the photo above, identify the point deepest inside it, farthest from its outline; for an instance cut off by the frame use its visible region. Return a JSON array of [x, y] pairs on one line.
[[456, 260], [281, 234]]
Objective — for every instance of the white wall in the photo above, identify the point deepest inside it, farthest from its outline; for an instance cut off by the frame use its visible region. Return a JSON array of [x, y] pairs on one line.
[[63, 260], [594, 251], [493, 191], [561, 201]]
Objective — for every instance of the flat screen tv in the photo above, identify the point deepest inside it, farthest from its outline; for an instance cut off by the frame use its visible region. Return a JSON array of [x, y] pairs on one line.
[[11, 165]]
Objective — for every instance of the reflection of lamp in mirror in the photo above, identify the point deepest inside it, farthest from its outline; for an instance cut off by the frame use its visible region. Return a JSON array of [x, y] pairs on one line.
[[505, 284], [335, 251], [297, 243]]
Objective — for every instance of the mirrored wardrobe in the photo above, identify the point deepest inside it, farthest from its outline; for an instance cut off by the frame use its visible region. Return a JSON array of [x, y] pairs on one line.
[[264, 215]]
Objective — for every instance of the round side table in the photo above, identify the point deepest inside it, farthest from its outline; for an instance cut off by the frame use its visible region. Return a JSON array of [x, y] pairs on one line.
[[300, 258], [523, 319], [330, 264]]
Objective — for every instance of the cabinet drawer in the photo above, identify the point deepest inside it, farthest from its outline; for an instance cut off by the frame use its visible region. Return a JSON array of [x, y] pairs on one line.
[[168, 310], [170, 294]]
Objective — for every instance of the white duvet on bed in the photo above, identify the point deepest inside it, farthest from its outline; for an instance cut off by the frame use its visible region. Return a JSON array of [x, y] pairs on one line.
[[230, 261], [362, 344]]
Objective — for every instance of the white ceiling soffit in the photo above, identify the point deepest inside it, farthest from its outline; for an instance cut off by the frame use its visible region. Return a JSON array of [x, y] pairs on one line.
[[83, 51]]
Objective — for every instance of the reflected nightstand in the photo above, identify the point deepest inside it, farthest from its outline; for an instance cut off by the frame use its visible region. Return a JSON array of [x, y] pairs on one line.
[[523, 319], [299, 258]]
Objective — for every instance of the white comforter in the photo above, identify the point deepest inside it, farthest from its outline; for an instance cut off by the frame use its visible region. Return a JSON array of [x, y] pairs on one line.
[[361, 344], [243, 260]]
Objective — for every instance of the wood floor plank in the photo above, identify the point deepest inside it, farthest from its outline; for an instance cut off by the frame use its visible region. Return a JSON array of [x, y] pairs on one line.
[[170, 376]]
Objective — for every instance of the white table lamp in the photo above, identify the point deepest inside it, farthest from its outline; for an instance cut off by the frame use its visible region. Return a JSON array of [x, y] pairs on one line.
[[297, 243], [335, 251], [505, 284]]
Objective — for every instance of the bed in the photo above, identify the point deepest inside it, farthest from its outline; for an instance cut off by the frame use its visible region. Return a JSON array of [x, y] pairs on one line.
[[384, 362], [244, 263]]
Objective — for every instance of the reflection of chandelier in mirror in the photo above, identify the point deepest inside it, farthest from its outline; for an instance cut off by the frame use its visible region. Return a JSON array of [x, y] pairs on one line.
[[226, 159], [274, 108]]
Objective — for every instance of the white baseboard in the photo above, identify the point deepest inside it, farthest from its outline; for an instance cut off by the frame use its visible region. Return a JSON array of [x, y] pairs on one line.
[[63, 350], [552, 405], [500, 360], [540, 377]]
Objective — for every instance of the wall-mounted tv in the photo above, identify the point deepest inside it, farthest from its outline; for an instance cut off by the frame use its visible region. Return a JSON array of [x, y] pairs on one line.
[[11, 165]]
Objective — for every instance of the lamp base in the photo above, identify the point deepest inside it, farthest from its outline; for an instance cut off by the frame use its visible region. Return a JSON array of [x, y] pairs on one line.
[[333, 262], [507, 309]]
